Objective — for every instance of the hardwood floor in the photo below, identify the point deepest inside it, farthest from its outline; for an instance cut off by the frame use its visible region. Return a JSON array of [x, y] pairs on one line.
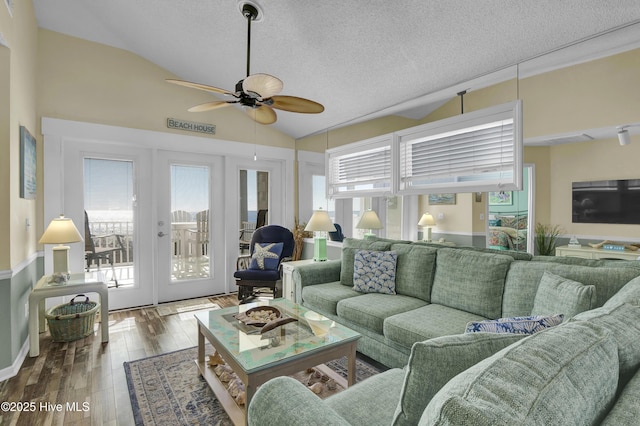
[[83, 382]]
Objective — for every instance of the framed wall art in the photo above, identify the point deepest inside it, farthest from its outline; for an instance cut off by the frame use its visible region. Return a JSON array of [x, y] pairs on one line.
[[501, 198], [435, 199], [27, 164]]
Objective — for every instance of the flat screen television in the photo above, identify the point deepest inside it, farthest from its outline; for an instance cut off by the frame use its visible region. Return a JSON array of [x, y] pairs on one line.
[[606, 201]]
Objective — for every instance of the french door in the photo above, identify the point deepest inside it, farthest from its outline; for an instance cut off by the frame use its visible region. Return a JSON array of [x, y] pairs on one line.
[[190, 226]]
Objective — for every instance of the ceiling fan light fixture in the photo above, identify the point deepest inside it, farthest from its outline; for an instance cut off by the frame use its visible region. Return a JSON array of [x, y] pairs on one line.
[[263, 86]]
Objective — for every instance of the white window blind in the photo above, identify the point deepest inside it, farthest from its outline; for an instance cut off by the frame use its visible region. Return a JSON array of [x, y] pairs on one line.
[[362, 168], [478, 151]]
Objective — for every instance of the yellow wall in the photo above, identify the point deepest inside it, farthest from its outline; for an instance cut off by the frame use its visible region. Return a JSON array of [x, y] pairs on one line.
[[18, 90]]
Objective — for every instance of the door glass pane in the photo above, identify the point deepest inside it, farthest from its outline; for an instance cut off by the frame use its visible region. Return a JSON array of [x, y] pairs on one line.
[[320, 196], [190, 257], [109, 222], [254, 204]]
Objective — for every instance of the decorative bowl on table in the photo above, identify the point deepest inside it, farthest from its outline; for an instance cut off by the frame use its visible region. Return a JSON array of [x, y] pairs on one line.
[[259, 316], [319, 324]]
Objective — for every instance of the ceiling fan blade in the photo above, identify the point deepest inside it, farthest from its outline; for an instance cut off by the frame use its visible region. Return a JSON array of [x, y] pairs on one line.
[[296, 104], [263, 85], [200, 86], [262, 114], [209, 106]]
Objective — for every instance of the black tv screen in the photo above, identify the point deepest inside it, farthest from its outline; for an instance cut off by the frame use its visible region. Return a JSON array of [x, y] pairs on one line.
[[606, 201]]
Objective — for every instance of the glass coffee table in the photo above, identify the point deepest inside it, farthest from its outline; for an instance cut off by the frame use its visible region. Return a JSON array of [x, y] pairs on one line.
[[256, 358]]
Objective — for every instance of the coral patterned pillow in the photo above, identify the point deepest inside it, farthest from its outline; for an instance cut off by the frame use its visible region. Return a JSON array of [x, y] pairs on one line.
[[375, 271]]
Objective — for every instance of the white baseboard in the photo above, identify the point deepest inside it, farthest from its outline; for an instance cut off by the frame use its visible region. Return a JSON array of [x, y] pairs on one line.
[[9, 372]]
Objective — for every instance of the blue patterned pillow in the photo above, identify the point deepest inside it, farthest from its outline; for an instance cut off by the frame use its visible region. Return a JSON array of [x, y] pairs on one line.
[[266, 256], [517, 325], [375, 271]]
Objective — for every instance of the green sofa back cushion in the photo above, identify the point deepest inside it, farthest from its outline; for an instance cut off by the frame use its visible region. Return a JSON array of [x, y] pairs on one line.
[[523, 278], [566, 375], [349, 248], [623, 322], [471, 281], [415, 268], [435, 361], [630, 294], [558, 295]]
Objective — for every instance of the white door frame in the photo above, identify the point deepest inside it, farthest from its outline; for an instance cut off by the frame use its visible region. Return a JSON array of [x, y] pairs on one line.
[[57, 133]]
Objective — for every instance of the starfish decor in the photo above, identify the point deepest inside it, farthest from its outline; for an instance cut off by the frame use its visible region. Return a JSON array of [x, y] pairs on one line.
[[261, 253]]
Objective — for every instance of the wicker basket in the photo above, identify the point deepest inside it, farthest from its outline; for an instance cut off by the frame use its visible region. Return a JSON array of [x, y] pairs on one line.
[[73, 320]]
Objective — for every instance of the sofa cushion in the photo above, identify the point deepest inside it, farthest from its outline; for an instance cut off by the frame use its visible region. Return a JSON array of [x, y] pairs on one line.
[[626, 410], [414, 270], [323, 298], [523, 279], [434, 362], [349, 248], [630, 294], [375, 271], [363, 404], [623, 322], [425, 323], [558, 295], [370, 310], [560, 376], [470, 281], [516, 325]]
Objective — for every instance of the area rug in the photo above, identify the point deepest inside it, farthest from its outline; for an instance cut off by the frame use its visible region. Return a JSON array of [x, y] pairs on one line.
[[168, 390], [185, 306]]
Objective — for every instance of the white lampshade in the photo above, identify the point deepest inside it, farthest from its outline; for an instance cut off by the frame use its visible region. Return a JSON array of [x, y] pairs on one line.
[[427, 220], [320, 221], [61, 231], [369, 220]]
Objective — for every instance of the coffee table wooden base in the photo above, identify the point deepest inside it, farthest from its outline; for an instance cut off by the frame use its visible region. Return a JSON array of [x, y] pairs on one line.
[[238, 414]]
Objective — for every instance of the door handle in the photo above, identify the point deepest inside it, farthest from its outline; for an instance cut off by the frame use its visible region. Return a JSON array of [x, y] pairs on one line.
[[161, 234]]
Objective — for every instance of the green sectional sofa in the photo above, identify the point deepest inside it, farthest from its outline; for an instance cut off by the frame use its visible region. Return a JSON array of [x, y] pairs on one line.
[[584, 371]]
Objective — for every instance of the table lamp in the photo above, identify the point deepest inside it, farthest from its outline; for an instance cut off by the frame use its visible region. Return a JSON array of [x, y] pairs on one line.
[[369, 220], [61, 231], [427, 221], [320, 223]]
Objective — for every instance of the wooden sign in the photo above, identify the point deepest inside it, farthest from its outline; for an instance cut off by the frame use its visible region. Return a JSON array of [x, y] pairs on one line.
[[174, 123]]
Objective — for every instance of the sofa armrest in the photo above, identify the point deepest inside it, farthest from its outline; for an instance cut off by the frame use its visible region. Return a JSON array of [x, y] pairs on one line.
[[316, 273], [284, 401]]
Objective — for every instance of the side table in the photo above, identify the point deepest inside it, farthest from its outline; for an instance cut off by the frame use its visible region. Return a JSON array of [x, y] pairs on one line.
[[288, 289], [77, 284]]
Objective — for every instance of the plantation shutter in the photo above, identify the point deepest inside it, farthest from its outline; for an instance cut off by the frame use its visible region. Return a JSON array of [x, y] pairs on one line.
[[362, 168], [479, 151]]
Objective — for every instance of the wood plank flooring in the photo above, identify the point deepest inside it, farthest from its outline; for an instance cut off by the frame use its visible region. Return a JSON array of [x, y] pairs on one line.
[[86, 377]]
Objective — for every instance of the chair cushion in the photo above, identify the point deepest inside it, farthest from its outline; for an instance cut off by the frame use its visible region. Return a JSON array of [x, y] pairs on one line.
[[257, 275], [266, 256], [558, 295], [566, 375], [375, 271], [515, 325]]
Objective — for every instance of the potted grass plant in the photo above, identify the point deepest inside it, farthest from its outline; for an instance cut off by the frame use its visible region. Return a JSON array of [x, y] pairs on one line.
[[546, 238]]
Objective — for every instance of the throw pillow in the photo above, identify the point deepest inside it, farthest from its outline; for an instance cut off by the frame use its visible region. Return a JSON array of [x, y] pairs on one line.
[[517, 325], [266, 256], [375, 271], [561, 295]]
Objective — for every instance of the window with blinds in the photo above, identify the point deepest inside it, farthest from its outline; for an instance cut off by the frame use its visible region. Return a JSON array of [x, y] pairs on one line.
[[361, 168], [478, 151]]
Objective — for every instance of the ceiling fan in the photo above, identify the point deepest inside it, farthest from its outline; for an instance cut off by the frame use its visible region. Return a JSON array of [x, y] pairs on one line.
[[256, 93]]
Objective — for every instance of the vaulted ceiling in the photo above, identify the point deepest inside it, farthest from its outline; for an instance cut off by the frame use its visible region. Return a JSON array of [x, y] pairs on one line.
[[360, 59]]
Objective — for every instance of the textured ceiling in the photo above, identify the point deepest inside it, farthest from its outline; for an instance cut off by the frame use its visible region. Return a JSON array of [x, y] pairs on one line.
[[358, 58]]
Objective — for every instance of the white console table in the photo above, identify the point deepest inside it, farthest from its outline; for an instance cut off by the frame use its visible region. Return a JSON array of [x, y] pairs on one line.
[[588, 252], [78, 284], [288, 289]]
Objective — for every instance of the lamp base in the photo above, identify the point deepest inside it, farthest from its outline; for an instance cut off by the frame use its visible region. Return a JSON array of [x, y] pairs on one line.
[[61, 259], [319, 249], [427, 235]]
